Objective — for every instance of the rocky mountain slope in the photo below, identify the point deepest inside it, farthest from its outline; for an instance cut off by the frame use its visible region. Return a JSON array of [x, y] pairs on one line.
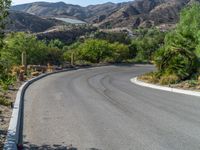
[[146, 13], [46, 9], [20, 21], [137, 13]]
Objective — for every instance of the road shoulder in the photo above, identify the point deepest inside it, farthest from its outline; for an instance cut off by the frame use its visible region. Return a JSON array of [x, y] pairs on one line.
[[169, 89]]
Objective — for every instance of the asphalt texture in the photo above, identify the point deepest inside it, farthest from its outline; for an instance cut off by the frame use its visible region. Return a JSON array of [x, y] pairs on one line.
[[100, 109]]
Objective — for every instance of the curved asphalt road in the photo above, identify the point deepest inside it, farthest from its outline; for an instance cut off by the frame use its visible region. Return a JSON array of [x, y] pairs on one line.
[[99, 108]]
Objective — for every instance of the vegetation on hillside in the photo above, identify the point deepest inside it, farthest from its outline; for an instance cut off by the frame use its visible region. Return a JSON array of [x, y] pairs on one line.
[[179, 58], [97, 51], [4, 66], [96, 47], [176, 53], [148, 41]]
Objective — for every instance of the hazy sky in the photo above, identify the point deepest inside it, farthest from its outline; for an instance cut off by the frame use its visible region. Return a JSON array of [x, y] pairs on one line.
[[79, 2]]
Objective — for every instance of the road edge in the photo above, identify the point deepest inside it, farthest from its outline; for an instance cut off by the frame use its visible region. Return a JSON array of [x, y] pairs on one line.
[[13, 133], [169, 89]]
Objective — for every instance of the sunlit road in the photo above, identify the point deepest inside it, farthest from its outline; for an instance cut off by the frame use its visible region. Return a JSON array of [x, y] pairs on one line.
[[100, 109]]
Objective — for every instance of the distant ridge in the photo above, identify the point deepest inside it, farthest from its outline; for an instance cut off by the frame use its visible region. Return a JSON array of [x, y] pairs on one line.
[[20, 21], [133, 14]]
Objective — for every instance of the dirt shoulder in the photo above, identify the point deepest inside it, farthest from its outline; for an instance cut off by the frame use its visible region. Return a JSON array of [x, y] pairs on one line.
[[5, 113], [192, 85]]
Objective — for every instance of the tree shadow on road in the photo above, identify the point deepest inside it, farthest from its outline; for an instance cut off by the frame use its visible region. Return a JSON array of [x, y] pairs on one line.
[[28, 146]]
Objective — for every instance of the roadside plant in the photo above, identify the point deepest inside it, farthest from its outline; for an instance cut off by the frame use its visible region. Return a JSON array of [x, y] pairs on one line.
[[169, 79], [4, 101], [179, 56]]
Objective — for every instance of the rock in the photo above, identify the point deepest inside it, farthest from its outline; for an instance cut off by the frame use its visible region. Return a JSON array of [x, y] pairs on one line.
[[186, 86], [36, 73], [198, 87]]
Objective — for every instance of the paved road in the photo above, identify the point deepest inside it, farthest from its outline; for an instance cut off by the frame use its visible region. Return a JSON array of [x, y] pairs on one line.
[[100, 109]]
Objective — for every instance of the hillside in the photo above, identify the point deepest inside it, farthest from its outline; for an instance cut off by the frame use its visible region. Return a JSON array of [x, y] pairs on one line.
[[146, 13], [20, 21], [45, 9], [97, 13], [133, 14], [68, 35]]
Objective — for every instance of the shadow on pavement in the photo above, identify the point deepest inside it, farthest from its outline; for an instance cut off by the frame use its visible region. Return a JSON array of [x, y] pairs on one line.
[[28, 146]]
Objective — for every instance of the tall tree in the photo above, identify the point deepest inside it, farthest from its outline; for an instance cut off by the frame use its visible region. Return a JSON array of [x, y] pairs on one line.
[[4, 7]]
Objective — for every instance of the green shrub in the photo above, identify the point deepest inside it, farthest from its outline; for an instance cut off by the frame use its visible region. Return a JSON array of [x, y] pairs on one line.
[[193, 82], [119, 52], [94, 51], [4, 101], [146, 44], [179, 55]]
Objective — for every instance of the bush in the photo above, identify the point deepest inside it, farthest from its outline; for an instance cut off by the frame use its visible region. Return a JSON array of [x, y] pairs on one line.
[[193, 83], [146, 44], [4, 101], [6, 82], [37, 52], [120, 52], [179, 55], [94, 51], [169, 79]]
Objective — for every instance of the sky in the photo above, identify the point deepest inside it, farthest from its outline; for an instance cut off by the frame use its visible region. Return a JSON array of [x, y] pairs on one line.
[[79, 2]]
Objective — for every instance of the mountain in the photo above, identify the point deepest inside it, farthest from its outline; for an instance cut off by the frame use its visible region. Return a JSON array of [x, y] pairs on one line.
[[45, 9], [133, 14], [20, 21], [97, 13], [146, 13], [61, 9], [67, 35]]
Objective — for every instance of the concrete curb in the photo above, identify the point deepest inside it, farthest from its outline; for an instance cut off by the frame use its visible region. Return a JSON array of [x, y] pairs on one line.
[[13, 134], [169, 89]]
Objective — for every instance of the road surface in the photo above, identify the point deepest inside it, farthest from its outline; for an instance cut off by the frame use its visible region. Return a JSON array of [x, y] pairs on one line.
[[100, 109]]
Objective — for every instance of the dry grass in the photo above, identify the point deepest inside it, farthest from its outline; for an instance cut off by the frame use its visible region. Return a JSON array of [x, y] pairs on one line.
[[169, 79], [172, 80], [149, 78]]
